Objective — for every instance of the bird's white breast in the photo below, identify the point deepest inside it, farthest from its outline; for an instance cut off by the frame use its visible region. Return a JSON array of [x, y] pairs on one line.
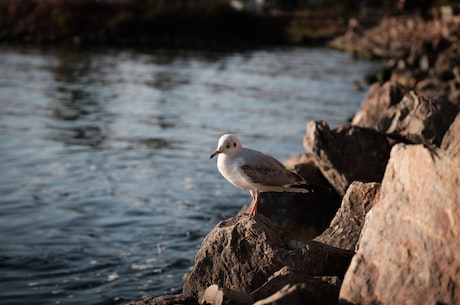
[[230, 168]]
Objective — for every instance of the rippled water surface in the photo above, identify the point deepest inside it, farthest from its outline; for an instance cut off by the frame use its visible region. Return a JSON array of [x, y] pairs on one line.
[[106, 187]]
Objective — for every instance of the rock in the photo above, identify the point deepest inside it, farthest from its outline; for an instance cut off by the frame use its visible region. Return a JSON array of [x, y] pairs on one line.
[[345, 228], [283, 286], [446, 61], [408, 252], [303, 216], [378, 100], [241, 253], [413, 118], [299, 293], [392, 37], [427, 52], [174, 299], [418, 119], [214, 295], [453, 92], [347, 153], [451, 140]]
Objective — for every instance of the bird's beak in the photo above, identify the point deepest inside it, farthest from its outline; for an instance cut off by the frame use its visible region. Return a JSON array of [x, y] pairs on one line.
[[215, 153]]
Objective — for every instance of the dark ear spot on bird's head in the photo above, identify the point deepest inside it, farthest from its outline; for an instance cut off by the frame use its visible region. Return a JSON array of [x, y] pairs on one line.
[[234, 144]]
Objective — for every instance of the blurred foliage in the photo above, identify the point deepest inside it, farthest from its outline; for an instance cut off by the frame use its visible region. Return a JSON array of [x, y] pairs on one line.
[[176, 21], [131, 21]]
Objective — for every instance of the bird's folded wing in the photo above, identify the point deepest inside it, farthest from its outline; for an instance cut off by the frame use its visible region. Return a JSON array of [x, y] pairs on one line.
[[268, 171]]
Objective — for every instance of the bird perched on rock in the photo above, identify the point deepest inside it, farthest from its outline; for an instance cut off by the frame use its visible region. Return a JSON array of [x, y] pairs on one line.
[[254, 171]]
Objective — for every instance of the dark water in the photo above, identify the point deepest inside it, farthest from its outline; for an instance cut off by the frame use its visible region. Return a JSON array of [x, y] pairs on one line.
[[106, 187]]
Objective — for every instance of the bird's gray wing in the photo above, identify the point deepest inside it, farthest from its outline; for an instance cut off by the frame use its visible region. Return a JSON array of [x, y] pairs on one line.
[[266, 170]]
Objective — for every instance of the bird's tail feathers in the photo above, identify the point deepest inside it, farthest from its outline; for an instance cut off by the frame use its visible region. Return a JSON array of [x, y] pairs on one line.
[[302, 188]]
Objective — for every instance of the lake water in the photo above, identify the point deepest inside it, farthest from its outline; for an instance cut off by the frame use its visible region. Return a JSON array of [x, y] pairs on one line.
[[106, 187]]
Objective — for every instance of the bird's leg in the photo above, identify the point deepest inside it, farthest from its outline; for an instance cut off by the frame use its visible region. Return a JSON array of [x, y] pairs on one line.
[[255, 200]]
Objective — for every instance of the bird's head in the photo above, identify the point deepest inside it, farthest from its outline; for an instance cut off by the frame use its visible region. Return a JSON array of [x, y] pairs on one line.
[[228, 144]]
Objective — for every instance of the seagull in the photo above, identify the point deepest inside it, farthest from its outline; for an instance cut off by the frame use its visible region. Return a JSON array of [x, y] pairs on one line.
[[254, 171]]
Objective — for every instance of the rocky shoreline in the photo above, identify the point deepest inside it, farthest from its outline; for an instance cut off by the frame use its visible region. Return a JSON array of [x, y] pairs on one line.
[[383, 225]]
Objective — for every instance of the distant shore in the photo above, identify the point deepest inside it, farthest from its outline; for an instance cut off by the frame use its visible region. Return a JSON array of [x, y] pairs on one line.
[[205, 23]]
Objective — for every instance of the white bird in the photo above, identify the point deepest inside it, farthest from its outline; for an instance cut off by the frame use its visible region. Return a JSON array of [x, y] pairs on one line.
[[254, 171]]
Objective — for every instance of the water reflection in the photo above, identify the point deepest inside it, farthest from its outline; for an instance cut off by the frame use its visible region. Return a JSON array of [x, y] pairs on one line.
[[167, 80], [78, 110]]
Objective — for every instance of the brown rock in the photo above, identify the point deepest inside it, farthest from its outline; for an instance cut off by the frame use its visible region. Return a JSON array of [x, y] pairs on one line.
[[407, 77], [299, 293], [346, 226], [241, 253], [451, 140], [453, 92], [408, 252], [347, 153], [412, 119], [447, 61], [418, 119], [303, 216], [377, 101], [214, 295], [315, 290], [392, 37]]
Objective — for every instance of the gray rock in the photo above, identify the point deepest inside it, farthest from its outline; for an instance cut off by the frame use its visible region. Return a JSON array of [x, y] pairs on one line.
[[408, 252]]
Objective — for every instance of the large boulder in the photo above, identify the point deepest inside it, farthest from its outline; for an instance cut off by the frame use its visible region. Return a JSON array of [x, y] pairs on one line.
[[379, 98], [241, 254], [408, 251], [347, 153], [412, 118], [418, 119], [345, 228]]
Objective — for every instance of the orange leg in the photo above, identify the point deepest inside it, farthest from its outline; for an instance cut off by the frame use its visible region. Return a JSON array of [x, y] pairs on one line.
[[255, 200]]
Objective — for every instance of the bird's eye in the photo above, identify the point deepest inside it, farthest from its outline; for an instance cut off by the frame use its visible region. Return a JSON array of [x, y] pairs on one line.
[[234, 144], [228, 146]]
